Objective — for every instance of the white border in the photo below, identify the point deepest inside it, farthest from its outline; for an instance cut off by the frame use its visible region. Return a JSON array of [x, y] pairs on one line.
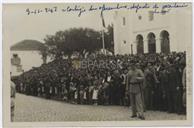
[[75, 1], [88, 1]]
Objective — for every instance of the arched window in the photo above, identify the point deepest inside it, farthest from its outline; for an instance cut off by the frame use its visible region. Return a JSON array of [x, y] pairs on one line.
[[139, 41], [151, 43], [165, 42]]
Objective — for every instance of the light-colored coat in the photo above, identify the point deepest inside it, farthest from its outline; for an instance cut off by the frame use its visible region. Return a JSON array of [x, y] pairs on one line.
[[134, 81]]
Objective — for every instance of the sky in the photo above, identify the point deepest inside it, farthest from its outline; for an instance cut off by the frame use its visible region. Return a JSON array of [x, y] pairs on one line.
[[18, 25]]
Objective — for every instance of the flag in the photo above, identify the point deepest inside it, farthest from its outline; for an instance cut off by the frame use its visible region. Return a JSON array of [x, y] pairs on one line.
[[103, 23]]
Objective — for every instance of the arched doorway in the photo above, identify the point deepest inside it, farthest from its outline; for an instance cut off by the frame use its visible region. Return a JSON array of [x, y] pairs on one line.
[[151, 43], [139, 41], [165, 42]]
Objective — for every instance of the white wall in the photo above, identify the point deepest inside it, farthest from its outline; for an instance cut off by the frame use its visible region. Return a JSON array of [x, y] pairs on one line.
[[177, 22], [29, 59]]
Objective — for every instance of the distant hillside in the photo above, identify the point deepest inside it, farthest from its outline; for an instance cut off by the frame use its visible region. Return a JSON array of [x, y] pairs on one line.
[[26, 45]]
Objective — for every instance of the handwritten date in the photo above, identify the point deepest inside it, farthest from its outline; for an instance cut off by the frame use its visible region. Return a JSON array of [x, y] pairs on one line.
[[39, 11]]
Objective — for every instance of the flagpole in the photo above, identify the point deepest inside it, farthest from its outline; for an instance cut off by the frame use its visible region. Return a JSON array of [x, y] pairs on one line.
[[103, 26], [103, 45]]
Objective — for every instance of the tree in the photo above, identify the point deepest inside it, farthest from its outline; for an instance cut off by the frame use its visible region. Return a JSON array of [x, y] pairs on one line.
[[44, 52], [71, 40]]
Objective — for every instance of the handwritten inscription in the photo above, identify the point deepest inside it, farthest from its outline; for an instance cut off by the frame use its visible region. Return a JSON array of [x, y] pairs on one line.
[[81, 9], [38, 11]]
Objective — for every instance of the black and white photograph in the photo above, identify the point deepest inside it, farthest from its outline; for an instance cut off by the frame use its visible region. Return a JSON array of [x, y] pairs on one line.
[[97, 62]]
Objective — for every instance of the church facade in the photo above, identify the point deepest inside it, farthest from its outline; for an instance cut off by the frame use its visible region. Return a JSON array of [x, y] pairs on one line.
[[148, 32]]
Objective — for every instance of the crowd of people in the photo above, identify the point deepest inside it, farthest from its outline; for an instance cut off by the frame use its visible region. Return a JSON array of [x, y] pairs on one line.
[[103, 80]]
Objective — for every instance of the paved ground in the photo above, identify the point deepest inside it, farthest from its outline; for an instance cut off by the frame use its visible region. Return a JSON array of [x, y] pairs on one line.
[[29, 108]]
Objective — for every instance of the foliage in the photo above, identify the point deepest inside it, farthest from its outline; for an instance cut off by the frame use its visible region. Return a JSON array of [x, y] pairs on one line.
[[76, 39]]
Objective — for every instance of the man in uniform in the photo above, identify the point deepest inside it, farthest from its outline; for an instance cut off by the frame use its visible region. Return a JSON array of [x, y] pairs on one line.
[[13, 92], [135, 79]]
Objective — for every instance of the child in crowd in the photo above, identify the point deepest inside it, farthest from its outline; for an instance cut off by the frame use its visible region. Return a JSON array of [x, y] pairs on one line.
[[75, 97], [64, 94], [72, 92], [81, 94], [95, 96], [85, 95]]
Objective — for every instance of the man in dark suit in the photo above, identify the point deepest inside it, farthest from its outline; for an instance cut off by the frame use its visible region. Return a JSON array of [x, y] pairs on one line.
[[149, 87], [172, 89]]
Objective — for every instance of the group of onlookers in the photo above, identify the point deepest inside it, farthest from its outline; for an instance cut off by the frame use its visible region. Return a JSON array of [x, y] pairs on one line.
[[104, 80]]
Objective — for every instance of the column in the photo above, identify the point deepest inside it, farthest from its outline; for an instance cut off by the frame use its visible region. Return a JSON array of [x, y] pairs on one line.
[[134, 43], [145, 45], [158, 45]]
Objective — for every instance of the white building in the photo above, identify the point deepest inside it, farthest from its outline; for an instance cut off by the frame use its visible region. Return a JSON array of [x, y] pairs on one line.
[[29, 59], [148, 32], [25, 55]]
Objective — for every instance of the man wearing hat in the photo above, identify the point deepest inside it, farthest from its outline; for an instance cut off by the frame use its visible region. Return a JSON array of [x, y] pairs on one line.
[[134, 83]]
